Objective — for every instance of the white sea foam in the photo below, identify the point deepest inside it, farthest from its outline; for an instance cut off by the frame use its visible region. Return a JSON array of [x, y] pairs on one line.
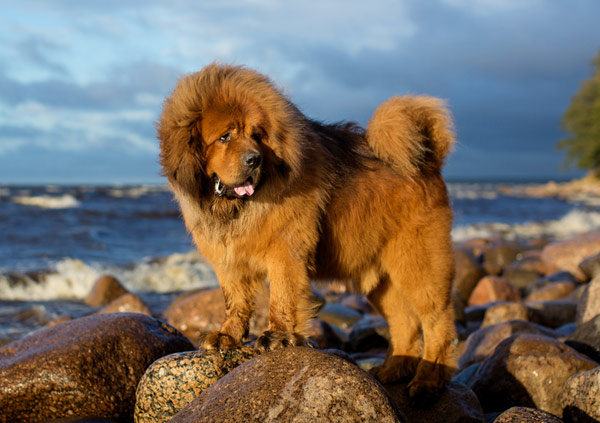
[[73, 279], [136, 192], [574, 222], [65, 201], [473, 191]]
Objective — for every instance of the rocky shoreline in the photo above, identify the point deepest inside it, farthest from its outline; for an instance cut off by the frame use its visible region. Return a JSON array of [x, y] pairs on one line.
[[527, 314]]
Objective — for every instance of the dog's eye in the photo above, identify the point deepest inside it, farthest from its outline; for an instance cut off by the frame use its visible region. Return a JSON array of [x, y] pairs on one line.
[[256, 137], [225, 138]]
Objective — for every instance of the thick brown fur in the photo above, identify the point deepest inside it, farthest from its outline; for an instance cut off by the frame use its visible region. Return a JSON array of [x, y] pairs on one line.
[[327, 201]]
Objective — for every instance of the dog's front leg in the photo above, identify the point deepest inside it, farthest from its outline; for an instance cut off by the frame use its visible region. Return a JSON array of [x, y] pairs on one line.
[[239, 292], [290, 305]]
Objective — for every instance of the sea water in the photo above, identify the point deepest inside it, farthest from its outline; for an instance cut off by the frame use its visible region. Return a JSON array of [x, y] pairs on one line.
[[55, 241]]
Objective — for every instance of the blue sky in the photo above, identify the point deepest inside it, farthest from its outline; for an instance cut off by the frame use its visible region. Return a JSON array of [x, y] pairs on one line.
[[82, 82]]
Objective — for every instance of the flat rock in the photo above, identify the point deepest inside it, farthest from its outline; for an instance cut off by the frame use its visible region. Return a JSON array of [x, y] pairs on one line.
[[589, 304], [106, 289], [482, 343], [293, 385], [581, 397], [84, 367], [493, 288], [457, 404], [566, 255], [530, 371], [526, 415], [173, 381]]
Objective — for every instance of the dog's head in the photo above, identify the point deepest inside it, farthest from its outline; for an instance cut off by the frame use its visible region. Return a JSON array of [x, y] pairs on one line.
[[226, 131]]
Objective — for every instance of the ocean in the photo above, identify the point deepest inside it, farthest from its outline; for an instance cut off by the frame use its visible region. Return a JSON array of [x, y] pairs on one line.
[[55, 241]]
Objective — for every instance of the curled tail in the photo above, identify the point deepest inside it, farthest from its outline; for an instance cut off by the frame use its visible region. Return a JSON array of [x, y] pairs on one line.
[[412, 134]]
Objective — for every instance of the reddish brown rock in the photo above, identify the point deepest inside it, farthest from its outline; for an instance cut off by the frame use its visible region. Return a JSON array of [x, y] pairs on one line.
[[172, 382], [527, 370], [493, 288], [526, 415], [552, 291], [126, 303], [468, 272], [106, 289], [589, 303], [85, 367], [457, 404], [200, 311], [581, 397], [298, 385], [566, 255], [482, 343]]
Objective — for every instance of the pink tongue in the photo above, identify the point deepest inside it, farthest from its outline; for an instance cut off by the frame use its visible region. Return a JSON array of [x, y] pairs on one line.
[[246, 189]]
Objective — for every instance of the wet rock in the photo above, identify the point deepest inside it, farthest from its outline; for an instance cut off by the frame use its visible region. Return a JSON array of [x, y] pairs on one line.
[[172, 382], [590, 266], [468, 272], [126, 303], [551, 291], [497, 257], [84, 367], [372, 332], [527, 370], [292, 384], [493, 288], [526, 415], [581, 397], [106, 289], [566, 255], [586, 338], [553, 314], [482, 343], [339, 315], [200, 311], [457, 403], [325, 335], [589, 303]]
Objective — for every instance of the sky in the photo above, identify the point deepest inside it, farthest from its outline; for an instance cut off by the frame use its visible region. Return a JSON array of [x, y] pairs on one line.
[[82, 82]]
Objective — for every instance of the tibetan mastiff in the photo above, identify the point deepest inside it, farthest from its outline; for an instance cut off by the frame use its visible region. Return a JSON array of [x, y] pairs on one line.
[[271, 195]]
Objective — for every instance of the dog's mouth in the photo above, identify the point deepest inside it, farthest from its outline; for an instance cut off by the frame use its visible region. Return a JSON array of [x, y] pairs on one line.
[[246, 189]]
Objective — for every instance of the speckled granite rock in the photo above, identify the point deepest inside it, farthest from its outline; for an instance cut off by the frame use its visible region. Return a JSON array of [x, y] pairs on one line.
[[85, 367], [526, 415], [126, 303], [106, 289], [527, 370], [172, 382], [581, 397], [298, 385], [457, 404], [481, 343]]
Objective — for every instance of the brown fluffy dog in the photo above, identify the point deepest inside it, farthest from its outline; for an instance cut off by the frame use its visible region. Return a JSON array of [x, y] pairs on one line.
[[269, 194]]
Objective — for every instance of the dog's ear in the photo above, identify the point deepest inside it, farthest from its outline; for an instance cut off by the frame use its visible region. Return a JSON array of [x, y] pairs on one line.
[[181, 155]]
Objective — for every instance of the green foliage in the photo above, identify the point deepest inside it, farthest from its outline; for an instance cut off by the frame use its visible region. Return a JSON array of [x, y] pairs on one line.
[[582, 122]]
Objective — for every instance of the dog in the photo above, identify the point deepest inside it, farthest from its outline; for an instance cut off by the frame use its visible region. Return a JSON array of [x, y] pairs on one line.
[[271, 195]]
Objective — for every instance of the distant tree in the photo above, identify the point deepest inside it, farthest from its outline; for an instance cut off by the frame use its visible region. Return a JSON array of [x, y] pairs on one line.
[[582, 122]]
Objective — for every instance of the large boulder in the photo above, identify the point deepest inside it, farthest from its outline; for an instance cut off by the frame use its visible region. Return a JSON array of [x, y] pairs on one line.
[[293, 385], [530, 371], [173, 381], [85, 367]]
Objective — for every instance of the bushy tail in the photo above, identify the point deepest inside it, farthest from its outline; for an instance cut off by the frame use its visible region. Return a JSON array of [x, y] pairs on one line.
[[412, 134]]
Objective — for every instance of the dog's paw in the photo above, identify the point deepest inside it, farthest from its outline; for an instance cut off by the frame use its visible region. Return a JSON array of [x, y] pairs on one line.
[[422, 394], [218, 340], [395, 369], [272, 340]]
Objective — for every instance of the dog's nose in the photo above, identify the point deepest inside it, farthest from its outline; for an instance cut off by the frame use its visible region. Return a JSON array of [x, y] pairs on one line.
[[252, 159]]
